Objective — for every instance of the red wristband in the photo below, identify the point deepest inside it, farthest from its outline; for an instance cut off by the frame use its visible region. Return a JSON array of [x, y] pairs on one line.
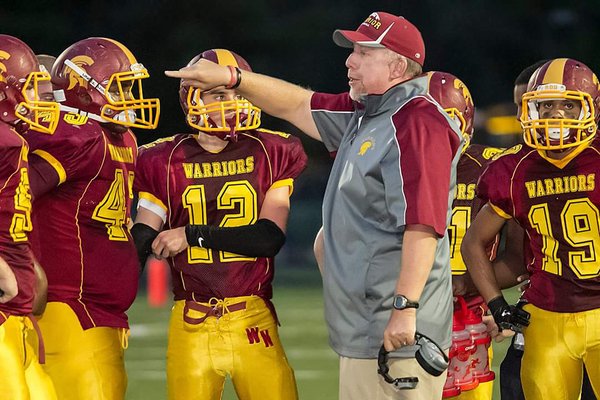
[[232, 78]]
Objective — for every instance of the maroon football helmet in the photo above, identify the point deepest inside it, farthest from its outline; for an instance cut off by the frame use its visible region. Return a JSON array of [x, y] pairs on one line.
[[224, 118], [454, 97], [100, 78], [561, 79], [20, 83]]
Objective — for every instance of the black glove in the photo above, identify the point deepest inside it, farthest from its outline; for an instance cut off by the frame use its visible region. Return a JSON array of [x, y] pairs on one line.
[[508, 316]]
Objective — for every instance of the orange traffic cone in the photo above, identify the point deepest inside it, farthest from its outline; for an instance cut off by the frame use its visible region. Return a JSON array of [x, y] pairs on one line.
[[157, 282]]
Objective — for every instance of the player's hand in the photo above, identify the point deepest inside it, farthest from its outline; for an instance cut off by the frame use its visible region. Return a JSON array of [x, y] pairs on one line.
[[523, 282], [204, 74], [8, 282], [494, 331], [169, 243], [400, 330], [508, 316]]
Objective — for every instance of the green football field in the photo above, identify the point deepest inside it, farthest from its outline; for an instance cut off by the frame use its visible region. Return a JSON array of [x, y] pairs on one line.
[[303, 332]]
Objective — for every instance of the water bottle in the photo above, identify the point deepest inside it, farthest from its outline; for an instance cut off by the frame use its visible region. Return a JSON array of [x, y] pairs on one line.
[[462, 349], [450, 388], [482, 341]]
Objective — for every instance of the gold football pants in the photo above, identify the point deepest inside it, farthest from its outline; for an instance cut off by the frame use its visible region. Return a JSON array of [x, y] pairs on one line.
[[557, 345], [83, 364], [236, 337], [21, 376]]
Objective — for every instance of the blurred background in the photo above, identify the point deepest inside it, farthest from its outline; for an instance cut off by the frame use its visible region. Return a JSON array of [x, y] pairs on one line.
[[484, 43]]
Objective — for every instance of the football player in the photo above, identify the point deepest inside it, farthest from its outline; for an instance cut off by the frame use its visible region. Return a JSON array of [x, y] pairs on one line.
[[220, 196], [549, 186], [453, 95], [21, 376], [82, 209]]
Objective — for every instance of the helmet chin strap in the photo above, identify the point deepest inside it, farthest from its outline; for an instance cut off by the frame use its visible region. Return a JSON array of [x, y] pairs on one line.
[[74, 110], [79, 71]]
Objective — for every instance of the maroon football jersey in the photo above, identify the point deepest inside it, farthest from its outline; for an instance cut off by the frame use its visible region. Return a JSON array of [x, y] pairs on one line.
[[557, 205], [226, 188], [84, 244], [15, 219], [466, 204]]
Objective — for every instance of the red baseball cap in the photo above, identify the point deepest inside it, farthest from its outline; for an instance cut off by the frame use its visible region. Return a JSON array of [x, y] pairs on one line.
[[382, 29]]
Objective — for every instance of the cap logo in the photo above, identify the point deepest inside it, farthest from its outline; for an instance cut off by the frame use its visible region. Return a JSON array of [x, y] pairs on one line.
[[3, 56], [373, 20]]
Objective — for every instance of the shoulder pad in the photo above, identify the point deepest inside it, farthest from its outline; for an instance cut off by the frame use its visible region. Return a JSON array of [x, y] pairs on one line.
[[490, 152], [513, 150], [157, 142], [278, 133]]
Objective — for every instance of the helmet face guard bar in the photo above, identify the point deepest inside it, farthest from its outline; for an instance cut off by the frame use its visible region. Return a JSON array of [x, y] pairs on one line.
[[213, 117], [567, 132], [42, 116], [124, 108]]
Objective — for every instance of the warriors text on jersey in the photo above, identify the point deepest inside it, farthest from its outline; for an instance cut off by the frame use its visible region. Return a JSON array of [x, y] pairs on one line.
[[184, 183], [557, 203], [15, 219], [81, 225]]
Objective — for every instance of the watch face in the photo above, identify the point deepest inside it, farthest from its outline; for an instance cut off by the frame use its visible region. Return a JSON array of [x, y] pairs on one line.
[[400, 302]]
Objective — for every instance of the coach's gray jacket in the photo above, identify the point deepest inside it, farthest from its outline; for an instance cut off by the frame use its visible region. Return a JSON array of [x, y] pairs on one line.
[[395, 164]]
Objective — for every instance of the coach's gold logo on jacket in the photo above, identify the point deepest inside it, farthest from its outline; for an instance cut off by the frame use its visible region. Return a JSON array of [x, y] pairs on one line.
[[219, 168], [365, 146], [560, 185]]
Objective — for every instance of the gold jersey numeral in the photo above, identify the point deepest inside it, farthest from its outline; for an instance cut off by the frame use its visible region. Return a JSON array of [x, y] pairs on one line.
[[459, 223], [580, 224], [21, 220], [237, 196], [112, 209]]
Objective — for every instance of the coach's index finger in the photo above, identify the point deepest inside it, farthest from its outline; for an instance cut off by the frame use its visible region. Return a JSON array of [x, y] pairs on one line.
[[181, 73]]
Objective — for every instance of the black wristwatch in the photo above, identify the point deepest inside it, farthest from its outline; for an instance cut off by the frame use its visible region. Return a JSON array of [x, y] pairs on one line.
[[401, 302]]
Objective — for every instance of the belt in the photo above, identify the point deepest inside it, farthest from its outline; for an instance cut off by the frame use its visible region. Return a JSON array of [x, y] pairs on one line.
[[217, 310]]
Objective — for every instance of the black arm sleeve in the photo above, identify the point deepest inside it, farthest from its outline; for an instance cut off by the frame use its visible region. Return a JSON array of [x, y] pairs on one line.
[[262, 239], [143, 236]]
